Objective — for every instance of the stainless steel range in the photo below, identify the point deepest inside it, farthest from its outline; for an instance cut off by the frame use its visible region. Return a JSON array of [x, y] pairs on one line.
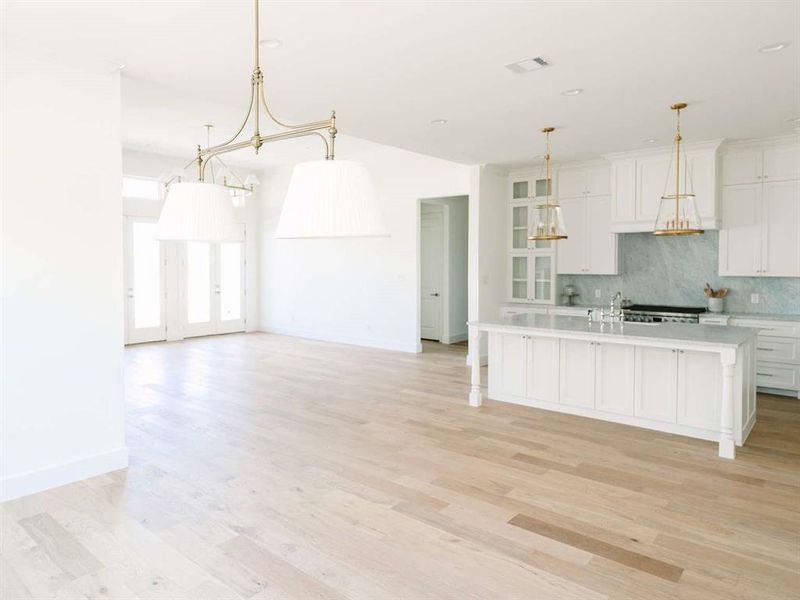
[[649, 313]]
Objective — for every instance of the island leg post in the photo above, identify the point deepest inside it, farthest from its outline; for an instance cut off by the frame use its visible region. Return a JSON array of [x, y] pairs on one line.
[[727, 445], [475, 363]]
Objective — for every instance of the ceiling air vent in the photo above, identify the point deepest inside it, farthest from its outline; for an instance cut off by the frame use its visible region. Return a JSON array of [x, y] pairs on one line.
[[528, 65]]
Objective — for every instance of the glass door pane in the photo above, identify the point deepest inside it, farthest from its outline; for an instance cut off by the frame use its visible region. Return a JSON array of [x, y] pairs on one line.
[[230, 281], [519, 227], [145, 314], [519, 277], [146, 279], [198, 282], [542, 268], [520, 189]]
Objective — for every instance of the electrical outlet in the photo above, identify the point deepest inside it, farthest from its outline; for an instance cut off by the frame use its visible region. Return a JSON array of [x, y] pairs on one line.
[[597, 293], [754, 298]]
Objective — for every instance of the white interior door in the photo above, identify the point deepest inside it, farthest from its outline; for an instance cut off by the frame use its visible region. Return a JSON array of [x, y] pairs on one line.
[[145, 290], [432, 271], [213, 288]]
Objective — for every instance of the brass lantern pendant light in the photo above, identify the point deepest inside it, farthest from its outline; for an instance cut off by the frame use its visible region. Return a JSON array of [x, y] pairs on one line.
[[548, 223], [677, 213]]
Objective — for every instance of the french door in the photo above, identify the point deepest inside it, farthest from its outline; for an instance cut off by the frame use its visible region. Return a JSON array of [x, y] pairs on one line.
[[213, 277], [145, 291]]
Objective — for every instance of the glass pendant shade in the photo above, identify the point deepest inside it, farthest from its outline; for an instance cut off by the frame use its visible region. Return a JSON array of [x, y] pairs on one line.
[[330, 199], [677, 212], [548, 222], [198, 212], [677, 215]]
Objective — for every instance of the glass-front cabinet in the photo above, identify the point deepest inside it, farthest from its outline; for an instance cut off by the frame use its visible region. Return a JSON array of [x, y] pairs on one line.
[[531, 270]]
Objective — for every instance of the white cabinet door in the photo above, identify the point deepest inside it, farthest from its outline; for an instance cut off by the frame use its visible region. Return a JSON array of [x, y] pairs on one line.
[[741, 165], [571, 183], [656, 384], [623, 191], [542, 377], [740, 237], [614, 378], [651, 178], [598, 181], [571, 256], [782, 162], [576, 384], [507, 364], [703, 178], [780, 217], [699, 389], [602, 245]]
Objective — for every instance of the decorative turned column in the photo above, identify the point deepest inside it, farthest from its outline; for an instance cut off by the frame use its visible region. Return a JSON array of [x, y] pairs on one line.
[[727, 445], [475, 362]]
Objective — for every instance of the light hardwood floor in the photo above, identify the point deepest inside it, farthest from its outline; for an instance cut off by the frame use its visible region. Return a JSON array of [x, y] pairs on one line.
[[272, 467]]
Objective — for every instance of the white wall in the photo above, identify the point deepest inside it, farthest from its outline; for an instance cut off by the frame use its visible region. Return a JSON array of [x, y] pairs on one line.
[[457, 243], [62, 408], [361, 290], [146, 164], [487, 243]]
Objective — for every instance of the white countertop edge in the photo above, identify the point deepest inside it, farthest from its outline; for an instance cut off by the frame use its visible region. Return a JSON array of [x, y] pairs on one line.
[[632, 333]]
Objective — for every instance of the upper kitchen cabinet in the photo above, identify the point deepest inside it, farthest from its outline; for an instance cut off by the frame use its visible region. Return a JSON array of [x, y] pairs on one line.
[[575, 181], [591, 248], [584, 196], [639, 179], [771, 160], [760, 233]]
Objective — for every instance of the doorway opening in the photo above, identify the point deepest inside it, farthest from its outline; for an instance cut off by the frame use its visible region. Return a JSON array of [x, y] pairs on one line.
[[443, 239]]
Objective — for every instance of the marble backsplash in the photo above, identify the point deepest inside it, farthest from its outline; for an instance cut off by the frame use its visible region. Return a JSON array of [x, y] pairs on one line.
[[674, 270]]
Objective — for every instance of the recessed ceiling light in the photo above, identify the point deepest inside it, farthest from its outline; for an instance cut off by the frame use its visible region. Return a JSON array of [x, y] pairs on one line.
[[573, 92], [649, 141], [528, 65], [439, 122], [273, 43], [774, 47]]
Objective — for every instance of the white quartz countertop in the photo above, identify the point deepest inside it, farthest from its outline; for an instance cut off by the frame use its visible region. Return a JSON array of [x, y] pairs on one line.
[[685, 333]]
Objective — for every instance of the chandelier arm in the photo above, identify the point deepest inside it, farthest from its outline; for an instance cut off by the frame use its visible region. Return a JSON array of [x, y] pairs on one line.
[[326, 122], [241, 128], [311, 129]]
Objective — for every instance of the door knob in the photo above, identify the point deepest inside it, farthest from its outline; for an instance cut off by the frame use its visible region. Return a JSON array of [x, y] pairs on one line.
[[435, 294]]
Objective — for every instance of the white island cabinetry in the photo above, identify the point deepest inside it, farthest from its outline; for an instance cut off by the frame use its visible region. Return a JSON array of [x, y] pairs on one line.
[[693, 380]]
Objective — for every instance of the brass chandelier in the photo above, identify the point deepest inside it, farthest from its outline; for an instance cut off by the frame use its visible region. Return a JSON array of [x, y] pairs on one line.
[[677, 213], [548, 222], [326, 198]]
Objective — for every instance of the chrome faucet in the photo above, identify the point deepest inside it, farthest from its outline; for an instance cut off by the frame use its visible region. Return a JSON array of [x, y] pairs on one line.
[[617, 315]]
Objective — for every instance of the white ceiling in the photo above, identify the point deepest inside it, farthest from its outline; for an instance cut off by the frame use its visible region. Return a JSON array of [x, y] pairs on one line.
[[389, 68]]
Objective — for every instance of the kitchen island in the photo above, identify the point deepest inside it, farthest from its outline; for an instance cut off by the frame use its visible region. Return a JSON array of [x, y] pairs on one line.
[[688, 379]]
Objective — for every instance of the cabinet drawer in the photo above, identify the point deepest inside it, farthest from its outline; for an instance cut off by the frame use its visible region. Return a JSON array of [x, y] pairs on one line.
[[770, 328], [773, 375], [778, 349], [707, 320]]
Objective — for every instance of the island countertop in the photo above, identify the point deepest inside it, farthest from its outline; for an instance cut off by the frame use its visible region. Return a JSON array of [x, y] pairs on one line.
[[692, 334]]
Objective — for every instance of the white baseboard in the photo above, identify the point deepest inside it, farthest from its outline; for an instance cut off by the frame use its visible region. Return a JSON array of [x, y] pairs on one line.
[[31, 482], [328, 336], [456, 338]]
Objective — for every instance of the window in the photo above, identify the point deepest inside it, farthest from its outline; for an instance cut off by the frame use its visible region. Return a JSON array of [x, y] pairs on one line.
[[140, 187]]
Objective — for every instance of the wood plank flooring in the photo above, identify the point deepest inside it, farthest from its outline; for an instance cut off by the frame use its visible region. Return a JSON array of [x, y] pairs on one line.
[[269, 467]]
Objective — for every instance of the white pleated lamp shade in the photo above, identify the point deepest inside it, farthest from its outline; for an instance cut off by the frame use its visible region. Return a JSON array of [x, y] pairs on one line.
[[198, 212], [330, 199]]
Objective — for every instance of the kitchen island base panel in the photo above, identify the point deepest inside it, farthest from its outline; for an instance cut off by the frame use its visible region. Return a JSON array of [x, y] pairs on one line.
[[703, 389]]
